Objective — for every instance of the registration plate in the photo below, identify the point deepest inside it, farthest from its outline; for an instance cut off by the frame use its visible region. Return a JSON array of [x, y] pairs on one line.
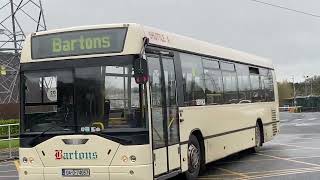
[[76, 172]]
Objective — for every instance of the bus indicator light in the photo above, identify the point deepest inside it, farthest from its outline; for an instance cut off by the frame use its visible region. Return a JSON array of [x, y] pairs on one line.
[[124, 158], [31, 160]]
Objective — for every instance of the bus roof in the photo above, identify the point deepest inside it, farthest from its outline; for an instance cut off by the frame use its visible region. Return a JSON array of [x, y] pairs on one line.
[[157, 37]]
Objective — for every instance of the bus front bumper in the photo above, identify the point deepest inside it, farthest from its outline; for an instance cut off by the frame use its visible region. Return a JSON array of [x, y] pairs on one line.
[[139, 172]]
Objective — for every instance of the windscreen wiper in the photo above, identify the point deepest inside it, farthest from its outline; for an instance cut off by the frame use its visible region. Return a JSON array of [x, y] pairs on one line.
[[45, 131], [112, 137]]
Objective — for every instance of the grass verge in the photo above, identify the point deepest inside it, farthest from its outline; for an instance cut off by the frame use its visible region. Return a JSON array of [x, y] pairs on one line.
[[5, 144]]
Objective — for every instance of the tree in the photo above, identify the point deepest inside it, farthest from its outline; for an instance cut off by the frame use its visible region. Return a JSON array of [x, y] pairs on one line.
[[285, 90]]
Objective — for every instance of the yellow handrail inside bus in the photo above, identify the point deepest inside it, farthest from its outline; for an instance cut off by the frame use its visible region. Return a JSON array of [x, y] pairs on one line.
[[98, 124]]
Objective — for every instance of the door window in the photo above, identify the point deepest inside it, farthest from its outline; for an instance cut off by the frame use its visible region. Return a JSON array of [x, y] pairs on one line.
[[171, 100], [156, 102]]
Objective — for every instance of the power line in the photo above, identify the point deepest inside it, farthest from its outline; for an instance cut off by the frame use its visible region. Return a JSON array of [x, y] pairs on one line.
[[286, 8]]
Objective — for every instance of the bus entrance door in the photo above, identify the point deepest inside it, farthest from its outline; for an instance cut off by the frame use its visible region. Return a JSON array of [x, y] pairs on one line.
[[164, 109]]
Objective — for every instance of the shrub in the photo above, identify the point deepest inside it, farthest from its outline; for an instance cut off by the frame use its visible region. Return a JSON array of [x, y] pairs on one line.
[[14, 130]]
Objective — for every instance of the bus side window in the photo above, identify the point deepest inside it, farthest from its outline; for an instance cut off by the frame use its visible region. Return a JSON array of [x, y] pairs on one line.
[[213, 82], [256, 86], [244, 83], [230, 83], [193, 80], [267, 85]]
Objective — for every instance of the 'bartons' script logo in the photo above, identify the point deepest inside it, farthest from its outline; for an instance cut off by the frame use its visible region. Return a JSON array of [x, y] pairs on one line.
[[59, 154]]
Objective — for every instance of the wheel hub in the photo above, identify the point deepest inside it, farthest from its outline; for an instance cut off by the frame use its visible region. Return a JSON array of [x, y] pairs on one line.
[[258, 142], [194, 157]]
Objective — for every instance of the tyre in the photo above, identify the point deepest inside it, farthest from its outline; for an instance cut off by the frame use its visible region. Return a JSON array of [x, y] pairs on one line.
[[258, 138], [194, 159]]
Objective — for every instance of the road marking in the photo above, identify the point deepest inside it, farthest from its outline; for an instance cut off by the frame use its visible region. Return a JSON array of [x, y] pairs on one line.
[[295, 171], [211, 178], [9, 176], [281, 170], [233, 172], [302, 147], [8, 171], [245, 161], [6, 162], [6, 165], [291, 160], [263, 174], [267, 159], [305, 138], [272, 150], [298, 119], [17, 164], [217, 175], [305, 157]]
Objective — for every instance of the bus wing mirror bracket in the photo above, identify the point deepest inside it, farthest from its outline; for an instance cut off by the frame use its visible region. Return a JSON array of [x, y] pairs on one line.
[[140, 68], [140, 65]]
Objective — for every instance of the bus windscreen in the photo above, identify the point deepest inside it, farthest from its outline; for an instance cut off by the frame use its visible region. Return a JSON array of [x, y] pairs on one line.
[[75, 43]]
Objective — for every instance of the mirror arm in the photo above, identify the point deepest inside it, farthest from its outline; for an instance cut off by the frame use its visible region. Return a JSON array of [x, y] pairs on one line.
[[145, 44]]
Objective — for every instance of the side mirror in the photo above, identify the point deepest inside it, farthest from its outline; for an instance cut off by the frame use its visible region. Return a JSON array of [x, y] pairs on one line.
[[140, 68]]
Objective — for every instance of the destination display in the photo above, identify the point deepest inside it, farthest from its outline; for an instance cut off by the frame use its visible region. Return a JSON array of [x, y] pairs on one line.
[[85, 42]]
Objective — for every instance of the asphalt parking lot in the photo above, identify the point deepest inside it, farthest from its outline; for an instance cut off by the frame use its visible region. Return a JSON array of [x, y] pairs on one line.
[[8, 171], [293, 155]]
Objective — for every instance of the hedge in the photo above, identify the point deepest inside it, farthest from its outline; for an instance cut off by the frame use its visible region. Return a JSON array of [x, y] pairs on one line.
[[13, 129]]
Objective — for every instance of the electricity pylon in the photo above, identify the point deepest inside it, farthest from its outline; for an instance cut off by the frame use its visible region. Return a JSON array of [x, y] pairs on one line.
[[17, 19]]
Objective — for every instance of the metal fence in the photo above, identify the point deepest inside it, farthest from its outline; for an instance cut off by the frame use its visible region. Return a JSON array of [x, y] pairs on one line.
[[8, 142]]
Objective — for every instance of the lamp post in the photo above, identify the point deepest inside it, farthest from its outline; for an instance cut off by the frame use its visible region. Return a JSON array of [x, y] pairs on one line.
[[294, 92], [305, 85], [311, 80]]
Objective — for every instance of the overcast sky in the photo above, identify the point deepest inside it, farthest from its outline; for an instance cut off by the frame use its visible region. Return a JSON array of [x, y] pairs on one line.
[[290, 39]]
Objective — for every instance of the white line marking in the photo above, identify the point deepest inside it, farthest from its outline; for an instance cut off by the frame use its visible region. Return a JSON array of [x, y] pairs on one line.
[[8, 171], [9, 177], [6, 162], [6, 165]]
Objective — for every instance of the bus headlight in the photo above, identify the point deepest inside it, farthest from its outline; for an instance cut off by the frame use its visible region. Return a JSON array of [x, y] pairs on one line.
[[133, 158], [25, 160]]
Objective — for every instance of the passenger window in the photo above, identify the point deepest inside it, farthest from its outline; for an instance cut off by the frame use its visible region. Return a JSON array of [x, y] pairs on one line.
[[193, 80], [230, 83], [267, 85], [244, 83], [213, 82], [255, 84]]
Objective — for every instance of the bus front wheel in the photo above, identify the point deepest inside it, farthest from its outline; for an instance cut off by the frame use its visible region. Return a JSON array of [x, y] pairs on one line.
[[194, 158]]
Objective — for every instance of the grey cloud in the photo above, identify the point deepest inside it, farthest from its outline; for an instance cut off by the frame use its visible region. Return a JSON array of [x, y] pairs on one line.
[[291, 40]]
